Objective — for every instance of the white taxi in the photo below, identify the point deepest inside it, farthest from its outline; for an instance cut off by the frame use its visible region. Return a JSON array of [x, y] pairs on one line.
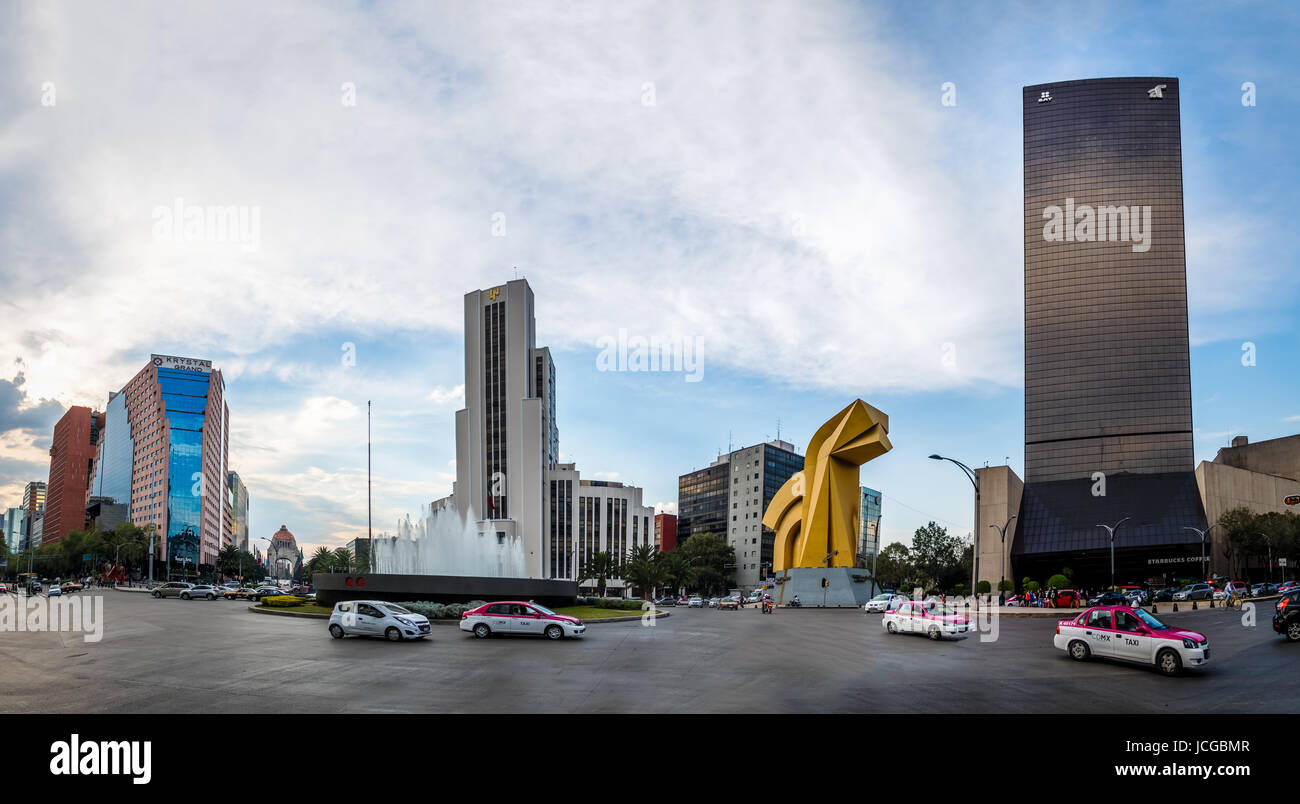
[[377, 618], [1131, 634], [930, 617]]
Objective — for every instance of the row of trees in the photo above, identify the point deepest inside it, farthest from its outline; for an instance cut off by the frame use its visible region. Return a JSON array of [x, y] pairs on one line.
[[1250, 538], [702, 565], [936, 560], [127, 544]]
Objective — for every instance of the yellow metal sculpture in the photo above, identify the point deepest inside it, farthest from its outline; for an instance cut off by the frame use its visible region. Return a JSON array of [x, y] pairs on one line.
[[815, 514]]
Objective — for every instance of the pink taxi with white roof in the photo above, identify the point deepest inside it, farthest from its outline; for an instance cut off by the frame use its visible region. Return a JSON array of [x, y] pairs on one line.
[[517, 617], [1131, 634], [930, 617]]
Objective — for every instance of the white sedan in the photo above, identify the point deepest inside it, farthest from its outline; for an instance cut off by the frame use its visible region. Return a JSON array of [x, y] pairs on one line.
[[882, 603], [377, 618], [932, 618]]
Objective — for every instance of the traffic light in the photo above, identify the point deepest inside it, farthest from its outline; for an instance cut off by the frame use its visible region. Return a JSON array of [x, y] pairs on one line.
[[825, 583]]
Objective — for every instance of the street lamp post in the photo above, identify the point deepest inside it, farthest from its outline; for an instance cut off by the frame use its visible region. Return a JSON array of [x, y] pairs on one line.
[[1002, 531], [1111, 529], [975, 544], [1269, 540], [1205, 570]]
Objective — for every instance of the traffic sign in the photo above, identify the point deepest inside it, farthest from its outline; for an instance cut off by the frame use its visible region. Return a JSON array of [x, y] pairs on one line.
[[1281, 562]]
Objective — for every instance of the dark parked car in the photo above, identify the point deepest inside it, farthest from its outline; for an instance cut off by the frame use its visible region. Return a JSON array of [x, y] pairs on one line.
[[1286, 617], [1165, 595], [1109, 599]]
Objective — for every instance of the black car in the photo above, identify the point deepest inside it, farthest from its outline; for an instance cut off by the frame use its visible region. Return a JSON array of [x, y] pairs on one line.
[[1165, 595], [1286, 617], [1109, 599]]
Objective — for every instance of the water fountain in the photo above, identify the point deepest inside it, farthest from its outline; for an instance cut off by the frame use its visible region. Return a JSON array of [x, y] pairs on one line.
[[439, 543], [443, 558]]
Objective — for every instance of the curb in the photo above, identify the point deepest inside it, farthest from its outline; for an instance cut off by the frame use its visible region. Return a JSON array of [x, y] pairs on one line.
[[260, 610], [132, 589], [635, 618]]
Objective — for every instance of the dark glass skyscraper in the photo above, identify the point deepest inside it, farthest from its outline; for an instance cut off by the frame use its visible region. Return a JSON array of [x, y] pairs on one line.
[[1107, 373], [1107, 368]]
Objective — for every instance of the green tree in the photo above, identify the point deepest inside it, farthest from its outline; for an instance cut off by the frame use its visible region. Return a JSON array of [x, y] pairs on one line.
[[599, 567], [228, 561], [711, 561], [678, 571], [983, 587], [321, 561], [1007, 586], [343, 559], [1058, 581], [643, 569], [935, 552], [895, 567]]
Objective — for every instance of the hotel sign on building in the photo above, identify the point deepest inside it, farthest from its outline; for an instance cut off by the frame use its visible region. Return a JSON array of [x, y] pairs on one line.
[[182, 363]]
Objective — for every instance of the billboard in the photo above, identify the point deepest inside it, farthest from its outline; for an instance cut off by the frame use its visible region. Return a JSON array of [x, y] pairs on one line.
[[182, 363]]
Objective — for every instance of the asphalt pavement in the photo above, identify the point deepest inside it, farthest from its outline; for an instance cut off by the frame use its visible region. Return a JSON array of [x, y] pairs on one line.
[[194, 657]]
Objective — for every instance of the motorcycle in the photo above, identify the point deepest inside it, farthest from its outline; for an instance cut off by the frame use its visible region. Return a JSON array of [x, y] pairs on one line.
[[767, 607]]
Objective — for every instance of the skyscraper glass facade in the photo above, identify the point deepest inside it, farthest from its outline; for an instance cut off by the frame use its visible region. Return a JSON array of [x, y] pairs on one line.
[[116, 454], [1107, 368], [185, 399]]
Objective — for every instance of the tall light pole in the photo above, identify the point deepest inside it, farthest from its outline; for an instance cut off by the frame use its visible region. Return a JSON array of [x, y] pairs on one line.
[[1269, 540], [975, 544], [1110, 529], [1002, 531], [370, 535], [1202, 534]]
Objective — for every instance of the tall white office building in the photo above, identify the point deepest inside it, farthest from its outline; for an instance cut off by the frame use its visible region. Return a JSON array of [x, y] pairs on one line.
[[508, 477]]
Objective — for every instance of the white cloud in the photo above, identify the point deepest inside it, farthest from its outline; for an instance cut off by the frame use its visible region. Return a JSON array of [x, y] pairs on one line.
[[666, 507], [448, 396]]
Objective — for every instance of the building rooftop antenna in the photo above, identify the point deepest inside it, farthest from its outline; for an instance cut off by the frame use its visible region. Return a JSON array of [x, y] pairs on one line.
[[778, 428]]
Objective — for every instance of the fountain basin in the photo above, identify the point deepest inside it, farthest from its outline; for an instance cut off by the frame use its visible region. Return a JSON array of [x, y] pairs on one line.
[[331, 587]]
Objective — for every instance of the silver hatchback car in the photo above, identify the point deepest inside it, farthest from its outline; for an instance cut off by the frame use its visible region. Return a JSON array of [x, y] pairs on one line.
[[377, 618]]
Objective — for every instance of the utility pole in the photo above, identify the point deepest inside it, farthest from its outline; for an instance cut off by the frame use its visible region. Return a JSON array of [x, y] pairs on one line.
[[370, 533]]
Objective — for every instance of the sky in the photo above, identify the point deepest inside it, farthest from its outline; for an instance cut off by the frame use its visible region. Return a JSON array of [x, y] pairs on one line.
[[780, 183]]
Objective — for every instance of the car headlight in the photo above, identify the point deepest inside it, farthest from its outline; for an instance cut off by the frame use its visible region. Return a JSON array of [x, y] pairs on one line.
[[404, 621], [1187, 643]]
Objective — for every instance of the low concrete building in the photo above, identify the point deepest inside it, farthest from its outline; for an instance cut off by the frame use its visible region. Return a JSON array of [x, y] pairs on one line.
[[1257, 477]]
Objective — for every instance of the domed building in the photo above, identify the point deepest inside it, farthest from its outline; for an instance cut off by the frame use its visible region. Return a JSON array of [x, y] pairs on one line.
[[282, 555]]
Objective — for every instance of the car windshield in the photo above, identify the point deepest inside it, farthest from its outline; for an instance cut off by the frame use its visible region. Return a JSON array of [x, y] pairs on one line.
[[882, 597], [1151, 622], [396, 609], [942, 611]]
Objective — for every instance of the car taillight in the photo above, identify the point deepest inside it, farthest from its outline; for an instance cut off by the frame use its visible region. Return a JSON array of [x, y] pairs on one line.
[[1283, 603], [1058, 628], [464, 614]]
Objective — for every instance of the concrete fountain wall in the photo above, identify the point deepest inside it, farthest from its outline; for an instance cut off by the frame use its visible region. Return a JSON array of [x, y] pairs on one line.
[[336, 586]]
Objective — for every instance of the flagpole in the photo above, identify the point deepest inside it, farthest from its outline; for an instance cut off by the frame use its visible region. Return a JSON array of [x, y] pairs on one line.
[[370, 535]]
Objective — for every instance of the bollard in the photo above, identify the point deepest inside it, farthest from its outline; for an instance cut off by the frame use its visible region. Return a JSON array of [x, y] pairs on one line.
[[1193, 605], [1175, 607], [1155, 609]]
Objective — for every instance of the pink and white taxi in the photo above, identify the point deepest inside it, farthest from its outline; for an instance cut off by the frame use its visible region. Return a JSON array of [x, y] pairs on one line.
[[930, 617], [1131, 634], [514, 617]]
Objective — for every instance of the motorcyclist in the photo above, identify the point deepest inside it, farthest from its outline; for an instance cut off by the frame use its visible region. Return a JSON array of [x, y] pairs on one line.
[[795, 601]]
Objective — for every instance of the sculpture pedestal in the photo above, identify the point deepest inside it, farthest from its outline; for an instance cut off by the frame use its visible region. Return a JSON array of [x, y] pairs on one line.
[[847, 587]]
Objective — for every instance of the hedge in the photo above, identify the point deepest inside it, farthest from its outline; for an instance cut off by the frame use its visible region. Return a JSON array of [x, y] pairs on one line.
[[283, 601], [441, 611]]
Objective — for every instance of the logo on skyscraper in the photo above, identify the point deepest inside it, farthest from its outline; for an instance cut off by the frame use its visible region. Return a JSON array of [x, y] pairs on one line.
[[1157, 91], [1044, 97], [493, 294]]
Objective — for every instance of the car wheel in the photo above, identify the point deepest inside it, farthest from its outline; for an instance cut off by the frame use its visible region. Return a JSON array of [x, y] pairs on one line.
[[482, 631], [1293, 631], [891, 628], [393, 634], [157, 595], [185, 596], [935, 634], [554, 631], [336, 631], [1169, 662], [1079, 651], [212, 597]]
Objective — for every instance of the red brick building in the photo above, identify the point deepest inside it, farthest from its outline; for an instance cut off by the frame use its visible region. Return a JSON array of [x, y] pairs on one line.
[[666, 532], [71, 457]]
